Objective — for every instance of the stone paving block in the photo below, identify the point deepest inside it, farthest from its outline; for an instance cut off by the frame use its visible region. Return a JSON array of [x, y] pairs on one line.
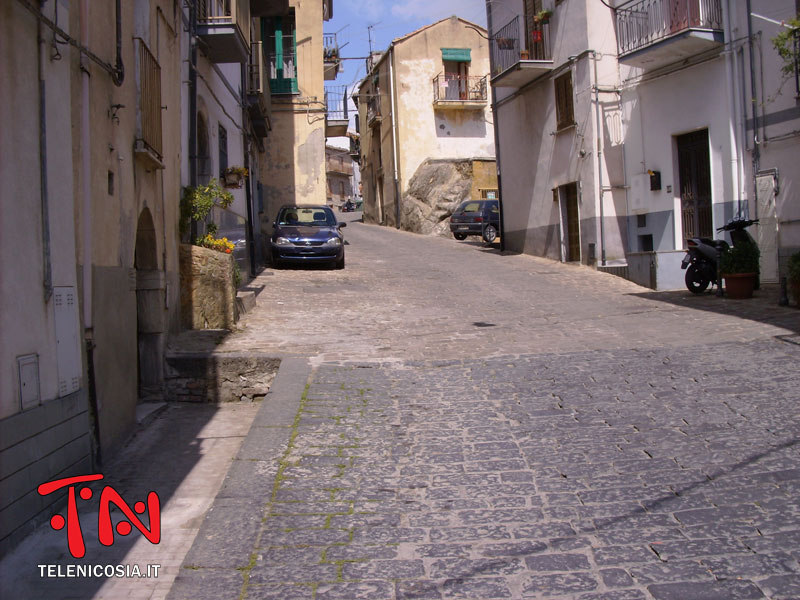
[[207, 584], [280, 592], [364, 590], [557, 562], [781, 587], [417, 590], [558, 585], [265, 572], [384, 569], [227, 536], [486, 588], [615, 595], [718, 590], [616, 578]]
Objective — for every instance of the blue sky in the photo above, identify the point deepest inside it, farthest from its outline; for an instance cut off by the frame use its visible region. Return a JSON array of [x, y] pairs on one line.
[[391, 19]]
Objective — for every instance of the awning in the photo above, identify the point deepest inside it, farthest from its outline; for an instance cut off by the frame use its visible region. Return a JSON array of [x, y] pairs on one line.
[[456, 54]]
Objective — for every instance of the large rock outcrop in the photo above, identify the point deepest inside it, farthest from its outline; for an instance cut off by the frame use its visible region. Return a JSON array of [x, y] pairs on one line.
[[434, 192]]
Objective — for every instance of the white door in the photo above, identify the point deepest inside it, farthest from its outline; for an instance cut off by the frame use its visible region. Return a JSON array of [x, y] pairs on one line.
[[767, 232]]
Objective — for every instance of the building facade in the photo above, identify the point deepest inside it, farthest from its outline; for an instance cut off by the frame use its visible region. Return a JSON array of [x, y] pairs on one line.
[[299, 60], [425, 98], [340, 174], [639, 129]]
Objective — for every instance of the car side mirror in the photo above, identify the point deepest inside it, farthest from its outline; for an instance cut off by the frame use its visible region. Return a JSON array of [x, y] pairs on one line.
[[342, 224]]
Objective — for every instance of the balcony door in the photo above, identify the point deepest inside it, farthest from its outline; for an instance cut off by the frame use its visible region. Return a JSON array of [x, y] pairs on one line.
[[534, 31], [456, 78], [694, 167]]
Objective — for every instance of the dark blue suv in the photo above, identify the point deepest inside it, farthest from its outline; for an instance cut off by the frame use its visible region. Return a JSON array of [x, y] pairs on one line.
[[476, 217]]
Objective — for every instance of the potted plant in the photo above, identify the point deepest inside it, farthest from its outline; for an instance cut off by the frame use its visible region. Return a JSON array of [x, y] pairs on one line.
[[793, 273], [543, 16], [234, 176], [739, 268]]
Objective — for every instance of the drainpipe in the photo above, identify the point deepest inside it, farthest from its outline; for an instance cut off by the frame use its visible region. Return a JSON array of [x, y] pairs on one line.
[[251, 251], [732, 108], [496, 128], [394, 139], [47, 281], [599, 160], [753, 102], [193, 105]]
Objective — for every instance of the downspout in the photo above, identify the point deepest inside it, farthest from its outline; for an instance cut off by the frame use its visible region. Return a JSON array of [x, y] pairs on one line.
[[119, 70], [396, 159], [753, 102], [88, 245], [599, 160], [496, 129], [193, 105], [732, 108], [251, 251], [47, 267]]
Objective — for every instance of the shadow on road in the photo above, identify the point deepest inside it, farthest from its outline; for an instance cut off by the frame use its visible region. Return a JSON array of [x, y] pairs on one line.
[[763, 307]]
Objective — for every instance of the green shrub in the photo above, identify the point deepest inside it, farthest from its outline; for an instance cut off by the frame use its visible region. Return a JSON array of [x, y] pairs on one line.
[[742, 258]]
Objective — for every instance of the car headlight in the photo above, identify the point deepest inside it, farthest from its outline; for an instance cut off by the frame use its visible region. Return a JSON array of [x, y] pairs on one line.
[[282, 241], [334, 241]]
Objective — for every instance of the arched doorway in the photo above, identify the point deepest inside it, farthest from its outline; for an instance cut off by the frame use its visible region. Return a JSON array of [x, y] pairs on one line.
[[149, 311]]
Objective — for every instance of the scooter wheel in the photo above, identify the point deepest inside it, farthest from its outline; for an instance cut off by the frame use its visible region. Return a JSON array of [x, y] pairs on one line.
[[696, 280]]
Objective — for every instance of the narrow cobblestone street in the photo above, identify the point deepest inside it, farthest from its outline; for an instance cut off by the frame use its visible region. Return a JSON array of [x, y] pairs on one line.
[[478, 426]]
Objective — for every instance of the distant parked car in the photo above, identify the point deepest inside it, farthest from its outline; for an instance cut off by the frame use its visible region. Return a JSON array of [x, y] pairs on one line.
[[476, 217], [307, 234]]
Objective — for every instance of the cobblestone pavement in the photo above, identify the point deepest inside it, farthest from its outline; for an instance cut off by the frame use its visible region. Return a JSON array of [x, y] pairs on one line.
[[513, 428]]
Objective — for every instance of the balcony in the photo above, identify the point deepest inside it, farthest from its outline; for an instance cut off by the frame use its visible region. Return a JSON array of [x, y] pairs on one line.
[[148, 144], [336, 114], [656, 33], [459, 92], [374, 110], [258, 96], [269, 8], [355, 147], [331, 62], [514, 66], [338, 165], [224, 28]]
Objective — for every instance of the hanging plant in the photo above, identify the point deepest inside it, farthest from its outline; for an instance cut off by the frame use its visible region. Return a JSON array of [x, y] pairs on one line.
[[234, 176], [787, 45], [543, 16], [197, 202]]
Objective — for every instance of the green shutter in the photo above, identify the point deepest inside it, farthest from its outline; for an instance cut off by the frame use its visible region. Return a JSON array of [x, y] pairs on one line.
[[456, 54], [284, 83]]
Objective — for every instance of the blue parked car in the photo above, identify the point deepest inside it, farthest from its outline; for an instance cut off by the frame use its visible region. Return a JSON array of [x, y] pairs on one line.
[[476, 217], [307, 234]]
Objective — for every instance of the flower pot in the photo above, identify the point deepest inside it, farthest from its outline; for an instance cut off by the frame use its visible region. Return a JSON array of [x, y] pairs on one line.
[[233, 180], [740, 285]]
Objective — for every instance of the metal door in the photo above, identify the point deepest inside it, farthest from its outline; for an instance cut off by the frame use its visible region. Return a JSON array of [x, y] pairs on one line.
[[694, 167], [767, 228]]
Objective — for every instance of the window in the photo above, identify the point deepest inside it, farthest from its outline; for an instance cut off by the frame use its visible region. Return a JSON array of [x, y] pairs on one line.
[[488, 194], [281, 53], [223, 150], [565, 116]]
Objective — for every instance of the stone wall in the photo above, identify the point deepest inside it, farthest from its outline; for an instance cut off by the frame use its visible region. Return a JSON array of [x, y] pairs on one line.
[[436, 190], [208, 295], [217, 378]]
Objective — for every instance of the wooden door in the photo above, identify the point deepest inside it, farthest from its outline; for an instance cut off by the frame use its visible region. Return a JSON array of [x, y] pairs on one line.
[[571, 222], [694, 167]]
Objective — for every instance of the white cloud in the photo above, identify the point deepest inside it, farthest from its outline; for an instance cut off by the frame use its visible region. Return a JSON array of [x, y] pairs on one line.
[[429, 11]]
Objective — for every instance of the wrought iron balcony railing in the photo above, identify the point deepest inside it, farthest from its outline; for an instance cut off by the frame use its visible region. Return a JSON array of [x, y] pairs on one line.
[[447, 87], [336, 102], [641, 23], [256, 76], [373, 109], [507, 45]]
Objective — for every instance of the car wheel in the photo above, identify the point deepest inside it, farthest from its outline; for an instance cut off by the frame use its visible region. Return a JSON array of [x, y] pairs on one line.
[[340, 263], [489, 234], [460, 236]]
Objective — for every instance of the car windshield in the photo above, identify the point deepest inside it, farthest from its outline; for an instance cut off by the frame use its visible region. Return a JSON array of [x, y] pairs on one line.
[[307, 217], [469, 207]]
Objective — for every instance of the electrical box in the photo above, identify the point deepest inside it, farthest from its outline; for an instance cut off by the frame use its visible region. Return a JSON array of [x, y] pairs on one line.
[[68, 350], [28, 368]]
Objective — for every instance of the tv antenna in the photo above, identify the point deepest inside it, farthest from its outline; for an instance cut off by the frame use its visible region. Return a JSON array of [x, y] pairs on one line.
[[369, 33]]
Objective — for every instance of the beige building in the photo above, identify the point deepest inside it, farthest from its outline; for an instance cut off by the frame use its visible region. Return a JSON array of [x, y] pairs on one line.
[[426, 98], [299, 60], [90, 147], [340, 173]]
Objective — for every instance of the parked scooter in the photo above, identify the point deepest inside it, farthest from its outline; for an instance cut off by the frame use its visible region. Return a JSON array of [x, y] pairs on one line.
[[702, 254]]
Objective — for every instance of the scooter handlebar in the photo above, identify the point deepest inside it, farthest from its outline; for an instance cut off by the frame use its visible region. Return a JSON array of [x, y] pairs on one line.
[[738, 224]]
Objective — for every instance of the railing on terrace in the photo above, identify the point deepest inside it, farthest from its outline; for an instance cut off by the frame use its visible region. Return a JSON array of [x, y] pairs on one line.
[[330, 47], [643, 22], [458, 87], [225, 12], [149, 116], [256, 81], [373, 108], [507, 47], [336, 102]]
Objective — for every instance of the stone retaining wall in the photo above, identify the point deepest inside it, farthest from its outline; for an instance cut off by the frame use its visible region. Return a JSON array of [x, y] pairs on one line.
[[208, 295], [219, 378]]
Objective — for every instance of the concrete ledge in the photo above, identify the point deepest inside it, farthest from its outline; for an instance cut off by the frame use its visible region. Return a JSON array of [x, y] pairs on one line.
[[245, 301]]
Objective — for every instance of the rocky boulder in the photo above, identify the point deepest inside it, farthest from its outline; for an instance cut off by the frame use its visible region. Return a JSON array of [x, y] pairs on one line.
[[434, 192]]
